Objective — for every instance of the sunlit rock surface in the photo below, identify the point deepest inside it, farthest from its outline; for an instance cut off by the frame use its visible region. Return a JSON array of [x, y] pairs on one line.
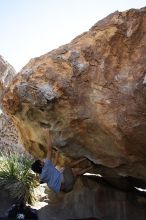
[[9, 139], [7, 72], [91, 95]]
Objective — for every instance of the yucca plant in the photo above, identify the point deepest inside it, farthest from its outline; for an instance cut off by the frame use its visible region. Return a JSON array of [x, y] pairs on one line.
[[16, 177]]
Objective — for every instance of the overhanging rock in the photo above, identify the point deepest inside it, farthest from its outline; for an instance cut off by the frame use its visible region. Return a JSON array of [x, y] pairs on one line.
[[91, 94]]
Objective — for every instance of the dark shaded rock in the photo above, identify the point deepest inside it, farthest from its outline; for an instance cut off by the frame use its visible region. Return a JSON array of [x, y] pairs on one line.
[[5, 202], [94, 199], [85, 219]]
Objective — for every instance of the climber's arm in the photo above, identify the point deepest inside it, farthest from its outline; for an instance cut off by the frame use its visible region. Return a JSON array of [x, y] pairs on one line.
[[56, 158], [49, 144], [49, 152]]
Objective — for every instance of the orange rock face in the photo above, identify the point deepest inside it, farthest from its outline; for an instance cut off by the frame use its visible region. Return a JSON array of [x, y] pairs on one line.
[[90, 94]]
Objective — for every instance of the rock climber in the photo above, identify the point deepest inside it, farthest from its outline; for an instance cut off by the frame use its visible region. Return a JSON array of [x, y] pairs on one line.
[[56, 180]]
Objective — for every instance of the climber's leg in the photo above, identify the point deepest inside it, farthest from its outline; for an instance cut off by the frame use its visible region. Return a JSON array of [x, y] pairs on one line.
[[80, 171], [68, 179], [73, 164]]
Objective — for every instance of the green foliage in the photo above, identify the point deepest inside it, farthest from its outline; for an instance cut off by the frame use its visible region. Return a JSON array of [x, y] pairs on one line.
[[16, 177]]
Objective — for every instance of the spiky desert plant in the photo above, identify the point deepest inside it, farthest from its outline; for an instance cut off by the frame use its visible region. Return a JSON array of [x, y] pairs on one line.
[[16, 176]]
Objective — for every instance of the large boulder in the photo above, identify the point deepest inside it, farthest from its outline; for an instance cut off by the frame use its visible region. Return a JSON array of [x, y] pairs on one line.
[[90, 94]]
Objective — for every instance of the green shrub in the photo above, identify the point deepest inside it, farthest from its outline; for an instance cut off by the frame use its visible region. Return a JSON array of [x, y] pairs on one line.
[[16, 177]]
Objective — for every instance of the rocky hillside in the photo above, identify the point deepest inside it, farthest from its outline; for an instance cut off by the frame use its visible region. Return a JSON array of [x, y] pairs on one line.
[[9, 140], [7, 72], [8, 134]]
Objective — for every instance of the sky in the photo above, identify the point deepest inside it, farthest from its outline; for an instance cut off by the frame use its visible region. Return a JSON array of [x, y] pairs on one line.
[[31, 28]]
